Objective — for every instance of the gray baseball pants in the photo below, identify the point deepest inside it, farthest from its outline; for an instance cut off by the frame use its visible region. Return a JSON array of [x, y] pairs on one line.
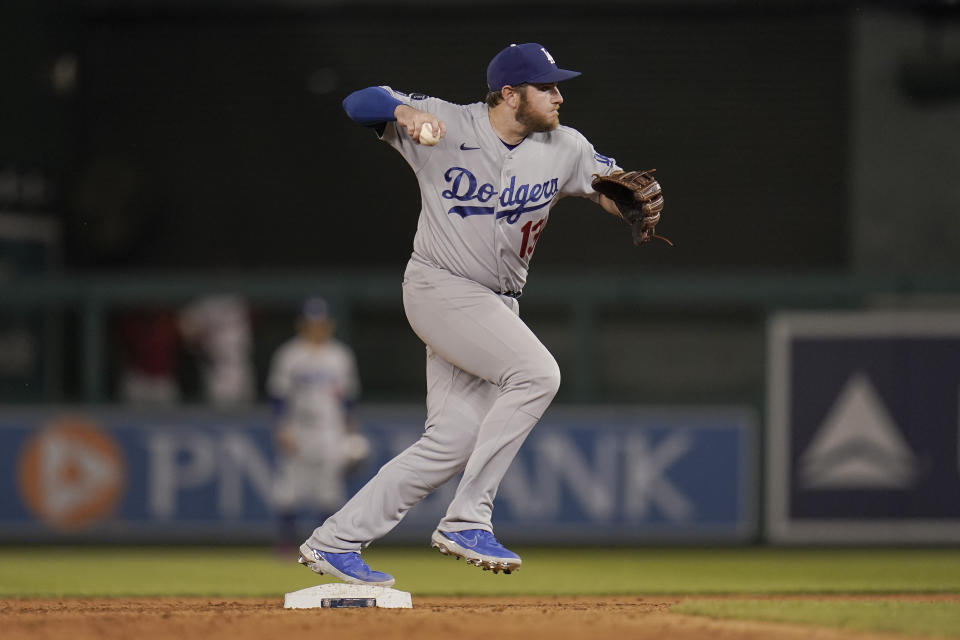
[[489, 380]]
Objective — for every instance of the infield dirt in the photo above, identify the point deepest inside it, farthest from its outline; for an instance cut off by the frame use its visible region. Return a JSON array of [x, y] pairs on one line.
[[432, 618]]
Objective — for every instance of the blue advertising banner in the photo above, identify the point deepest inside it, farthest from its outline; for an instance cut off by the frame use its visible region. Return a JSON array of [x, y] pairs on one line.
[[864, 427], [604, 475]]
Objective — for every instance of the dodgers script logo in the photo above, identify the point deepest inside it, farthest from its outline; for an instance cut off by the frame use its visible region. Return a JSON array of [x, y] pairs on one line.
[[464, 187]]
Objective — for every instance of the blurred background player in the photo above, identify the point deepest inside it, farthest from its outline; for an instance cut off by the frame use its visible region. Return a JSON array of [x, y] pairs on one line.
[[313, 384], [217, 328]]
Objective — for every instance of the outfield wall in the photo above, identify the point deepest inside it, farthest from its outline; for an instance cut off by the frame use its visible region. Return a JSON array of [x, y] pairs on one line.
[[604, 475], [863, 428], [861, 445]]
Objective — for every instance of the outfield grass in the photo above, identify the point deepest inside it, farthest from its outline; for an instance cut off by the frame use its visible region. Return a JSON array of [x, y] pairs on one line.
[[914, 618], [55, 571]]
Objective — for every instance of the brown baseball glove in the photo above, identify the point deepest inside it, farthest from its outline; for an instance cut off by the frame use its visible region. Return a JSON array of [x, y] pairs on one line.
[[639, 199]]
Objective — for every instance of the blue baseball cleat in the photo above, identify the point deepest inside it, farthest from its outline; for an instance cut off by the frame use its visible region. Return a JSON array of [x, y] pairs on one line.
[[478, 547], [348, 567]]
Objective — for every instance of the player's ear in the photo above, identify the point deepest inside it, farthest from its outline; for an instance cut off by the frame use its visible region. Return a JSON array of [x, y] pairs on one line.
[[511, 95]]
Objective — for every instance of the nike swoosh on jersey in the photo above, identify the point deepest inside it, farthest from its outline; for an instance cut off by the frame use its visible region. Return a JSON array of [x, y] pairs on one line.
[[464, 147]]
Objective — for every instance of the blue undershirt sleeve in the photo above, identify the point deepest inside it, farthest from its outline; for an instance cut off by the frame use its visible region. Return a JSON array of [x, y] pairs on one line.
[[371, 106]]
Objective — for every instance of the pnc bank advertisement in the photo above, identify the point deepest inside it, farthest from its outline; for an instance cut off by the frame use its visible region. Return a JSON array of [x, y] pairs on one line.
[[863, 428], [599, 474]]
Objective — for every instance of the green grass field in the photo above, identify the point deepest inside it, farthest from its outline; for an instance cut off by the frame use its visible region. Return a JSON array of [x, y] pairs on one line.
[[244, 571], [257, 572], [913, 618]]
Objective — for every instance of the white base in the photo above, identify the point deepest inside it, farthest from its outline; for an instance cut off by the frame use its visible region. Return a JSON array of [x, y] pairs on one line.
[[312, 597]]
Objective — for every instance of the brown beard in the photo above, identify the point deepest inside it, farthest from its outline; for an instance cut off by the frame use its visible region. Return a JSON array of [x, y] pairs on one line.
[[532, 122]]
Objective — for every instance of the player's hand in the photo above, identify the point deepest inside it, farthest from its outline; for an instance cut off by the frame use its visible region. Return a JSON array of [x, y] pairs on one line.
[[413, 120]]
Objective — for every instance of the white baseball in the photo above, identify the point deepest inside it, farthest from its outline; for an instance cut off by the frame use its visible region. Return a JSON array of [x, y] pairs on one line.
[[426, 135]]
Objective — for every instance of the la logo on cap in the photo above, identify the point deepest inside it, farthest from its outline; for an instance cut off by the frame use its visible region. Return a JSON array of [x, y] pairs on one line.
[[525, 63]]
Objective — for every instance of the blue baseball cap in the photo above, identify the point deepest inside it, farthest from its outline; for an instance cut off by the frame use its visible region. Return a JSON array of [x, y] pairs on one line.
[[528, 62], [315, 308]]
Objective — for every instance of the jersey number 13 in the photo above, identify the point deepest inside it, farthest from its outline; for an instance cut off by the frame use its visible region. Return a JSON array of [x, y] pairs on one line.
[[531, 233]]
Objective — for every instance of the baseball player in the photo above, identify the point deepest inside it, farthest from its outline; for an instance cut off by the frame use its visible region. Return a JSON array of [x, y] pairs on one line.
[[489, 173], [313, 385], [218, 327]]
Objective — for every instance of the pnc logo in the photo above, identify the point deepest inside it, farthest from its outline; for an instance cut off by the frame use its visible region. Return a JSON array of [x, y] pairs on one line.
[[71, 474]]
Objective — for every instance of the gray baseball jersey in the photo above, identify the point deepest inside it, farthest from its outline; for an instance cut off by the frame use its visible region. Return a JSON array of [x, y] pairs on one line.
[[489, 379], [498, 199]]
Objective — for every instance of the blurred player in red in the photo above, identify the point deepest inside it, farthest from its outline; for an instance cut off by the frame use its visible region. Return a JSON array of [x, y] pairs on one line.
[[148, 343]]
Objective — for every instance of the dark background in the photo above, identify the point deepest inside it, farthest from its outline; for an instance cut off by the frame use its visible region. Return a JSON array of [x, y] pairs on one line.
[[215, 137], [808, 150]]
